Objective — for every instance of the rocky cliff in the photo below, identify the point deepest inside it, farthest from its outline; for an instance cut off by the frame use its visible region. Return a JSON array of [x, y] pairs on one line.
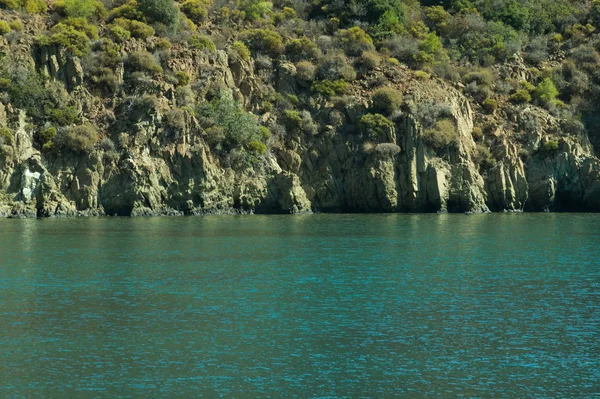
[[520, 158]]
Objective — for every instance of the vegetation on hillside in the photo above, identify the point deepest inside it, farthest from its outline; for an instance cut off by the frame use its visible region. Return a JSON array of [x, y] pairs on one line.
[[332, 44]]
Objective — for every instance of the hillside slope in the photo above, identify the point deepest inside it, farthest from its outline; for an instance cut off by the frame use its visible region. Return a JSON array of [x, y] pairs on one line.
[[102, 115]]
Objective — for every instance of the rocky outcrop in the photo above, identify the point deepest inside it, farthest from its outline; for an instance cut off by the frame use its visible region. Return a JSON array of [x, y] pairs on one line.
[[158, 170]]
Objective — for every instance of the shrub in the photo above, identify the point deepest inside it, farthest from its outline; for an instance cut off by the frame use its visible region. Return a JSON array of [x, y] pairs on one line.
[[292, 120], [302, 49], [6, 136], [184, 96], [30, 6], [45, 137], [386, 100], [71, 39], [403, 48], [201, 42], [174, 120], [387, 149], [305, 70], [481, 77], [334, 66], [489, 105], [63, 116], [16, 25], [161, 11], [546, 91], [264, 40], [183, 78], [257, 147], [483, 157], [227, 123], [80, 8], [4, 28], [422, 75], [520, 97], [328, 88], [241, 50], [369, 60], [265, 134], [129, 10], [355, 40], [255, 9], [196, 10], [10, 4], [138, 29], [375, 125], [79, 138], [477, 133], [142, 61], [299, 121], [550, 147], [162, 44], [442, 136], [119, 33]]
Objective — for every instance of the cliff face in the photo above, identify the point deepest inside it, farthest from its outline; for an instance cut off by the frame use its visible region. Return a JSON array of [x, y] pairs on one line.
[[158, 169]]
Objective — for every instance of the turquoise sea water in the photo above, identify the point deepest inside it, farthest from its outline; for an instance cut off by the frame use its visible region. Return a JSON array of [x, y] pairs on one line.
[[318, 306]]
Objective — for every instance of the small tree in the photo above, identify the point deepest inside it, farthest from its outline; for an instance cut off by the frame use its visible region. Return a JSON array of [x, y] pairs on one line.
[[162, 11], [386, 100], [80, 8], [546, 91]]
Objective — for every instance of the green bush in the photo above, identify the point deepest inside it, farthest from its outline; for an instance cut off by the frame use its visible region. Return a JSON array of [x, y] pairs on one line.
[[546, 91], [45, 137], [355, 40], [520, 97], [264, 41], [63, 116], [4, 28], [72, 40], [265, 134], [369, 60], [10, 4], [302, 49], [226, 123], [16, 25], [162, 44], [386, 100], [129, 10], [375, 125], [489, 105], [79, 138], [201, 42], [305, 70], [119, 33], [183, 78], [241, 50], [550, 147], [481, 76], [6, 136], [80, 8], [138, 29], [328, 88], [196, 10], [161, 11], [142, 61], [255, 9], [442, 136], [257, 147], [174, 120]]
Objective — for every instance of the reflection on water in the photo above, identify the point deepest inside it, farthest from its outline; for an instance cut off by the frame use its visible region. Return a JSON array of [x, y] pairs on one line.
[[317, 306]]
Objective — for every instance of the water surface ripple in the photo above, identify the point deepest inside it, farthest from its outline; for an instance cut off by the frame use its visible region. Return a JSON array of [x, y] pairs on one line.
[[317, 306]]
